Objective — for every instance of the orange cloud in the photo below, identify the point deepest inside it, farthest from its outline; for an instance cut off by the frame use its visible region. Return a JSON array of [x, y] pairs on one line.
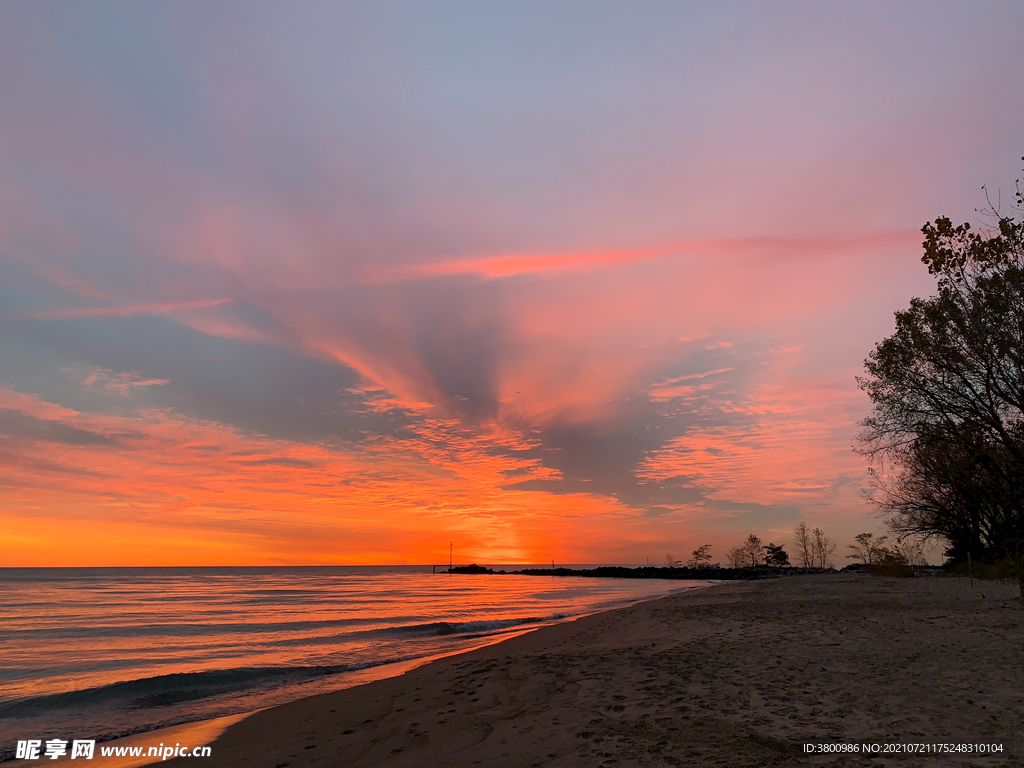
[[571, 339], [169, 490]]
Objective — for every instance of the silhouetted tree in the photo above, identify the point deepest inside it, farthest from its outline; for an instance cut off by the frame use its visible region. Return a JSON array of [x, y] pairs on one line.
[[946, 435], [803, 545], [700, 557], [867, 548], [775, 555], [821, 549], [751, 553], [911, 551], [737, 557]]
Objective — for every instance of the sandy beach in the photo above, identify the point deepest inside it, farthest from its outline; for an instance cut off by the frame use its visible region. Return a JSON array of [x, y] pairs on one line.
[[739, 674]]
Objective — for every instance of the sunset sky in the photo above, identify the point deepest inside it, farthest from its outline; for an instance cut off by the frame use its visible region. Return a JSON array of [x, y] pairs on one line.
[[289, 283]]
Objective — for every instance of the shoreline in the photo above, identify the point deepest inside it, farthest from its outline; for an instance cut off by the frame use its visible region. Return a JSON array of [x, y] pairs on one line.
[[664, 572], [205, 731], [742, 674]]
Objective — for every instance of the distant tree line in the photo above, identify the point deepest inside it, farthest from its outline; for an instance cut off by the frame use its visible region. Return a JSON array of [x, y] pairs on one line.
[[814, 550], [945, 439], [873, 551], [753, 553]]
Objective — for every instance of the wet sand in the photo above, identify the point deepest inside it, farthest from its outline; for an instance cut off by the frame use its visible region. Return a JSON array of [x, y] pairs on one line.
[[201, 732], [740, 674]]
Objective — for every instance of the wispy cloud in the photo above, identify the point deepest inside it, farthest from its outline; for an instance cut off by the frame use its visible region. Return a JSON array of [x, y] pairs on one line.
[[121, 382], [495, 267]]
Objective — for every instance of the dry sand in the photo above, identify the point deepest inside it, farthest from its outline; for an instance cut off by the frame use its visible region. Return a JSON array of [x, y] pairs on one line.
[[739, 674]]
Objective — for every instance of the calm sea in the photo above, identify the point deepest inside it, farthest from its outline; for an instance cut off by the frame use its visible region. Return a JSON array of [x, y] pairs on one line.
[[102, 652]]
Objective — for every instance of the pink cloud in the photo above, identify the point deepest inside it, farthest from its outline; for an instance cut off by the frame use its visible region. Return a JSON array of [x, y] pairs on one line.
[[494, 267]]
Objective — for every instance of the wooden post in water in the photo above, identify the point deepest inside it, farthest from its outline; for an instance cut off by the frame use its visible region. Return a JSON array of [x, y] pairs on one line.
[[449, 557]]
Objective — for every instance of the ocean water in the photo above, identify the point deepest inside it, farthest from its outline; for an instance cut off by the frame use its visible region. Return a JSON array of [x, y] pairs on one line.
[[103, 652]]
